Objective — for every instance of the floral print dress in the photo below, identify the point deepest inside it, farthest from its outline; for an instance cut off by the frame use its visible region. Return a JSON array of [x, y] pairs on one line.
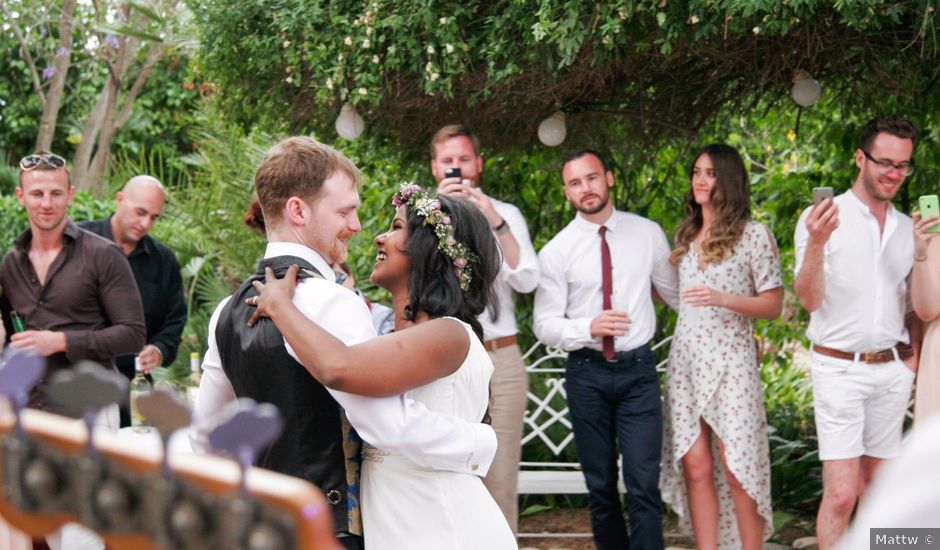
[[713, 374]]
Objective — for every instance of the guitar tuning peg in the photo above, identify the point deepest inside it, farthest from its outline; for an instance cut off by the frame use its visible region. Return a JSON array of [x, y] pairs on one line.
[[85, 389], [244, 429], [20, 372], [168, 413]]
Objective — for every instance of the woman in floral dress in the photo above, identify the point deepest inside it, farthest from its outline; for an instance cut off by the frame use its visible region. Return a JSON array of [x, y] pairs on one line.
[[716, 465]]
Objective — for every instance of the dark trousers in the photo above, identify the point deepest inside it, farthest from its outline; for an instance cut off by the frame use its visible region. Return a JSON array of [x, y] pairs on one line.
[[618, 404], [350, 542]]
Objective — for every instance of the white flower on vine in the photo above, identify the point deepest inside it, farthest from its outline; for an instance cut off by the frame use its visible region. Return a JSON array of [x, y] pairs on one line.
[[430, 50], [449, 48], [756, 30], [348, 41], [363, 91], [435, 76], [391, 50], [375, 59], [369, 31], [289, 79], [694, 19], [287, 43], [443, 21], [329, 83], [366, 43], [429, 67]]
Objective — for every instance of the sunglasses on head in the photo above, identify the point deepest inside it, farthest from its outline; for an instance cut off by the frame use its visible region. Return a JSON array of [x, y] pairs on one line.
[[49, 160]]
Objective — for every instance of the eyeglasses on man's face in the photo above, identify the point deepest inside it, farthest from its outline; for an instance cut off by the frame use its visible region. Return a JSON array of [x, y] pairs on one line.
[[884, 166], [49, 160]]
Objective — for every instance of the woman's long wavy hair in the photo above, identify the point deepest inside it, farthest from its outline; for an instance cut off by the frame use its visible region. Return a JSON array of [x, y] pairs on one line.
[[731, 197], [433, 286]]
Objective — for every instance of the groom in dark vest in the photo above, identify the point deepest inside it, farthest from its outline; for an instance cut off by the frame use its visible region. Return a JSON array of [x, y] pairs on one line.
[[308, 194]]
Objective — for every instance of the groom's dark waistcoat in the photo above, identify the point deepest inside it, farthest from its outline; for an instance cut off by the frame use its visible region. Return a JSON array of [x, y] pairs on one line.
[[256, 362]]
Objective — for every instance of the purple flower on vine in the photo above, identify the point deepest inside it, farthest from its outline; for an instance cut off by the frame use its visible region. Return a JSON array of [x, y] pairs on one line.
[[43, 31], [48, 72], [112, 41], [62, 51]]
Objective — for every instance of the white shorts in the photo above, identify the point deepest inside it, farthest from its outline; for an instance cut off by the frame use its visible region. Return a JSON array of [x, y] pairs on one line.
[[859, 407]]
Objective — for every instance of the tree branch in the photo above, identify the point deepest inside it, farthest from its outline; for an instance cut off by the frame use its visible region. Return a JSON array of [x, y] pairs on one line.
[[24, 47]]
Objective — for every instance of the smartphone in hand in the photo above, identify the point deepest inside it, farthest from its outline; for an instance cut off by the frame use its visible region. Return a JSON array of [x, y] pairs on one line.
[[820, 194], [452, 172], [930, 206]]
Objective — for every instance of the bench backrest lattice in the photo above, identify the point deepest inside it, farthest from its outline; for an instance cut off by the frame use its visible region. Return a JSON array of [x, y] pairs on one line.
[[547, 426]]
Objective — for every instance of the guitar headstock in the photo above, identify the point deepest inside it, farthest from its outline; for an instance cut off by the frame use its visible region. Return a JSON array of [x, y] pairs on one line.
[[49, 476]]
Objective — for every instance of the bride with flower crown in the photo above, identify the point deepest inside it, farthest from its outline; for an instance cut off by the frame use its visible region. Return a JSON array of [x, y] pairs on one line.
[[438, 260]]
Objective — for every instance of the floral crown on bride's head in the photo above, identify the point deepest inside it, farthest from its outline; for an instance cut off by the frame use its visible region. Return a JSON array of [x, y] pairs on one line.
[[420, 202]]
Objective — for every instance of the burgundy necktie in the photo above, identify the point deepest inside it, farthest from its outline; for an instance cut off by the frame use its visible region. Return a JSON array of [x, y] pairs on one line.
[[608, 285]]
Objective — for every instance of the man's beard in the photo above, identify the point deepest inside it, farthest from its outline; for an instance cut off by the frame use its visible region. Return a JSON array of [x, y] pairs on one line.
[[590, 211]]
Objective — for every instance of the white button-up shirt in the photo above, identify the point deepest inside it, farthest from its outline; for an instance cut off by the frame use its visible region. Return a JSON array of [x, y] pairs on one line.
[[570, 292], [394, 424], [523, 279], [866, 272]]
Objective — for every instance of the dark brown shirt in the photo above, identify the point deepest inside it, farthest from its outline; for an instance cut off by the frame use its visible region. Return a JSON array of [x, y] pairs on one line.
[[90, 295]]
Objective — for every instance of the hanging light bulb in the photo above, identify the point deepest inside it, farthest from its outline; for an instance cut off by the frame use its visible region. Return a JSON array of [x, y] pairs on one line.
[[805, 90], [349, 123], [552, 130]]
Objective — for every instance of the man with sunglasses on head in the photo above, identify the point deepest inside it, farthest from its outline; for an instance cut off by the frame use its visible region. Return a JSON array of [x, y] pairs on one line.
[[73, 291], [854, 254]]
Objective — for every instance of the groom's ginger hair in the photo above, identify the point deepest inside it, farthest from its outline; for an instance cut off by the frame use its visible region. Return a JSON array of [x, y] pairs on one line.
[[297, 167]]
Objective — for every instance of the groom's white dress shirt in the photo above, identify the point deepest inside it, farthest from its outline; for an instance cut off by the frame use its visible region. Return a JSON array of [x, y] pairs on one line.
[[394, 424]]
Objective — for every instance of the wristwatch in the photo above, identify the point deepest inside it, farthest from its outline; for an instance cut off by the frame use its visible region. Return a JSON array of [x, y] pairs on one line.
[[503, 227]]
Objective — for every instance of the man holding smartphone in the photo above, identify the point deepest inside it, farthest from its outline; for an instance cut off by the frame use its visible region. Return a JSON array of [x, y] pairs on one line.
[[854, 254], [455, 147]]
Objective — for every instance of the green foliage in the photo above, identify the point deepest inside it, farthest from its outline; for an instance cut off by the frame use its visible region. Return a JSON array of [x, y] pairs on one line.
[[9, 179], [665, 67], [796, 473]]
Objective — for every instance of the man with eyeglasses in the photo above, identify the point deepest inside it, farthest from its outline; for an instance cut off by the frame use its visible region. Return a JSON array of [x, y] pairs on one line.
[[73, 291], [853, 257]]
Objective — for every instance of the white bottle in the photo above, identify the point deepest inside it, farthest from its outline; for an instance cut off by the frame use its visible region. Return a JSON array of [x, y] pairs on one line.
[[139, 386], [195, 375]]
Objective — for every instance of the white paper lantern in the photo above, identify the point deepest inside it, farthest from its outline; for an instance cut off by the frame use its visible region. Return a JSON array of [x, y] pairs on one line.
[[805, 90], [552, 130], [349, 123]]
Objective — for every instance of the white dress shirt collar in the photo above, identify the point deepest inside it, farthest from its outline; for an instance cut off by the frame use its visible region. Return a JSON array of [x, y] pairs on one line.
[[583, 224], [284, 248]]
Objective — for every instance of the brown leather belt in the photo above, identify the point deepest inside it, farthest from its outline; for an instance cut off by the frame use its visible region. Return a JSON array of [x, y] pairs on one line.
[[497, 343], [880, 356]]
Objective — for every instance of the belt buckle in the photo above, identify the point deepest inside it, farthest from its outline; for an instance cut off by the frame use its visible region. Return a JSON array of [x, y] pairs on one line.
[[869, 356]]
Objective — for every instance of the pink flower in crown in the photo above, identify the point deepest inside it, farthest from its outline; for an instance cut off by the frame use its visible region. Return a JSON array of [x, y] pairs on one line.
[[409, 189], [460, 262], [445, 220], [396, 202]]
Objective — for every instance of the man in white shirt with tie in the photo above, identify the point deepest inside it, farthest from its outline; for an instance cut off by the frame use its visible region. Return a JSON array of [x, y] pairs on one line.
[[853, 258], [595, 301], [454, 146]]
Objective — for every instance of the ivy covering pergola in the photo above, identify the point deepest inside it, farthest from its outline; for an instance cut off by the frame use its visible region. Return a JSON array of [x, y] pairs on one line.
[[663, 67]]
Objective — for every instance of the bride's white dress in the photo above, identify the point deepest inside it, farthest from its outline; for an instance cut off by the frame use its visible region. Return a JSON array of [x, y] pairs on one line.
[[405, 506]]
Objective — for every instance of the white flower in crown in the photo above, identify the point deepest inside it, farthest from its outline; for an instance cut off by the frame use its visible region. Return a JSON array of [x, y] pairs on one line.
[[418, 201]]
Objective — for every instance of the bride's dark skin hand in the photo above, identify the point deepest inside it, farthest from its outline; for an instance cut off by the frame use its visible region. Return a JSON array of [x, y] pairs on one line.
[[272, 293]]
